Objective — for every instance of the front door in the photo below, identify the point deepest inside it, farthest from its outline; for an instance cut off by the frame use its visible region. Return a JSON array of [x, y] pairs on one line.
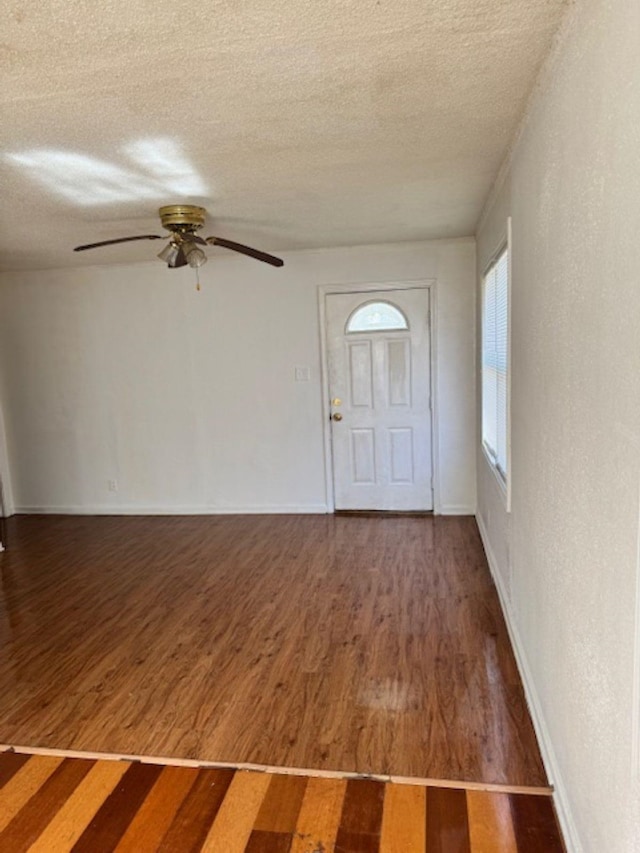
[[378, 354]]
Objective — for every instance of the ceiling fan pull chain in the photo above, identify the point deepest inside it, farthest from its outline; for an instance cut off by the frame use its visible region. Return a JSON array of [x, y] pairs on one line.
[[197, 278]]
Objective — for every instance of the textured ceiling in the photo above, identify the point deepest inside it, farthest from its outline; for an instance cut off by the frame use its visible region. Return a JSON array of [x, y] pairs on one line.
[[297, 124]]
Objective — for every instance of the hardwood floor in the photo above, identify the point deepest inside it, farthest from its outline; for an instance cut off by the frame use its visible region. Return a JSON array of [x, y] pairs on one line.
[[332, 643], [57, 804]]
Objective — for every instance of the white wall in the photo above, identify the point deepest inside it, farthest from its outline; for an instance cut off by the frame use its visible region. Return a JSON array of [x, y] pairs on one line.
[[566, 557], [5, 474], [188, 399]]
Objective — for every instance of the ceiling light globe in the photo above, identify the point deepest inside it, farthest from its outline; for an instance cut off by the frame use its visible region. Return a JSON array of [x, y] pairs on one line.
[[169, 253], [195, 256]]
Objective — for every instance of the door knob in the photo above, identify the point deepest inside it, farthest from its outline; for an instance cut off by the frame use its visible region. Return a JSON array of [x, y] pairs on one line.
[[336, 416]]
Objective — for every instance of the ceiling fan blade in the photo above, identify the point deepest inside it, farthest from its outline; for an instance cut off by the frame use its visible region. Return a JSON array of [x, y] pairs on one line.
[[118, 240], [246, 250], [180, 260]]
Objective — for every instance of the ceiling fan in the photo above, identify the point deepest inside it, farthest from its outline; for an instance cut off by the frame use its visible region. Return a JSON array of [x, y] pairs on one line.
[[183, 221]]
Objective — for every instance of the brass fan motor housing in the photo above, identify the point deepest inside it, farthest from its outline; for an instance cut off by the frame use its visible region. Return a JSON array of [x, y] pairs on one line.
[[182, 217]]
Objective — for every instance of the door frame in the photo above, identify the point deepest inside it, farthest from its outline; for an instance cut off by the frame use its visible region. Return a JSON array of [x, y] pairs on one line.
[[324, 290]]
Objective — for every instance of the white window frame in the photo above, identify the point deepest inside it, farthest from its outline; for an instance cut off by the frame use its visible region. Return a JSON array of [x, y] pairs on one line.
[[503, 478], [363, 309]]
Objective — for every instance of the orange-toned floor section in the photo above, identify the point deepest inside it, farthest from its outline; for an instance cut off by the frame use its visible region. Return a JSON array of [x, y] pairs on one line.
[[56, 804]]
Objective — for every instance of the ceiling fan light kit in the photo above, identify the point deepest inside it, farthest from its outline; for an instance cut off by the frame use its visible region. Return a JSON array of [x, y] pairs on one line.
[[195, 256], [183, 221], [169, 254]]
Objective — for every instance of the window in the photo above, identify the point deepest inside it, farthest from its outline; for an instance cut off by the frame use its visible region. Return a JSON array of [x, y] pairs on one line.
[[376, 317], [495, 364]]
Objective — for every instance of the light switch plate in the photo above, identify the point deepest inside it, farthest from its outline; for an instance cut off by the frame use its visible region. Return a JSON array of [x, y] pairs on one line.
[[302, 374]]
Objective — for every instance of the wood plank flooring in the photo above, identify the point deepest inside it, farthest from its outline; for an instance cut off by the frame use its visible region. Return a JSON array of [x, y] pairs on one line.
[[57, 804], [370, 645]]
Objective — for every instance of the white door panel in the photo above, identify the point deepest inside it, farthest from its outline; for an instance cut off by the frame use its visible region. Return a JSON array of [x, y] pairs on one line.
[[379, 382]]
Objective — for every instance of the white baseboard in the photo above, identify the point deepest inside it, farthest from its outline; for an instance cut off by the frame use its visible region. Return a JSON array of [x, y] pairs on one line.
[[457, 509], [142, 509], [206, 509], [547, 750]]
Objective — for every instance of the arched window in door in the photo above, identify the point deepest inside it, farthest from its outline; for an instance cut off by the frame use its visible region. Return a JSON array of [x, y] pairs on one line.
[[376, 317]]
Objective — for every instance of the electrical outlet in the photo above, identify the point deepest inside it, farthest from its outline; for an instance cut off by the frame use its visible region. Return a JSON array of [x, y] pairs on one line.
[[113, 485]]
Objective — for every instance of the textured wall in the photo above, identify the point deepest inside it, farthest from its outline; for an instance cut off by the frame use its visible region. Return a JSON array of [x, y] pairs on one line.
[[567, 553], [188, 399]]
